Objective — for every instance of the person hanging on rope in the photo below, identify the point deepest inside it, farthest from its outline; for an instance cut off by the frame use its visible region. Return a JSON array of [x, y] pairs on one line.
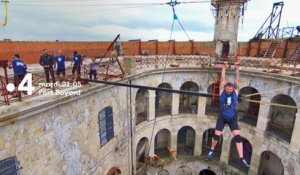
[[228, 113]]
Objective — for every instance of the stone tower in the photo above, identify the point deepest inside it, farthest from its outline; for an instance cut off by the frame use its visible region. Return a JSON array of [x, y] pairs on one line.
[[227, 14]]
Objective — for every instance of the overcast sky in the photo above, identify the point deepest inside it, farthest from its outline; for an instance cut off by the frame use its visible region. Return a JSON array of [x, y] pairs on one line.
[[92, 20]]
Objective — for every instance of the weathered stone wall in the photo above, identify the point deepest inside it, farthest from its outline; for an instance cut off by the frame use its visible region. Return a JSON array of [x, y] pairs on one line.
[[63, 137]]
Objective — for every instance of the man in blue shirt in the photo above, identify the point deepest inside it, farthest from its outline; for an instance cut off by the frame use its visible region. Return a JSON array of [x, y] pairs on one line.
[[228, 113], [60, 62], [19, 68], [76, 58]]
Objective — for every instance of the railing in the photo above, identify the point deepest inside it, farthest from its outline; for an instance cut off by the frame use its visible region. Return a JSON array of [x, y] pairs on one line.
[[143, 63]]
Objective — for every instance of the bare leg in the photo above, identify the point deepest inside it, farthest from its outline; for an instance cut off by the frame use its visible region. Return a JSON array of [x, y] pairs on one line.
[[215, 142], [239, 146]]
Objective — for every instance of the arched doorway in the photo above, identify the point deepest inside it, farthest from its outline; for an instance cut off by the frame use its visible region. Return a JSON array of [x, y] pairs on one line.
[[248, 111], [206, 144], [281, 119], [270, 163], [141, 105], [188, 103], [207, 172], [114, 171], [142, 150], [164, 100], [212, 107], [234, 159], [162, 142], [186, 141]]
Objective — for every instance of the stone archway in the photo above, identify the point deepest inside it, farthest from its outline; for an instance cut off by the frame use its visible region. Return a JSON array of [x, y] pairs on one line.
[[234, 156], [186, 141], [281, 119], [162, 142], [207, 172], [114, 171], [141, 106], [212, 105], [248, 111], [206, 144], [270, 163], [164, 100], [142, 151], [188, 103]]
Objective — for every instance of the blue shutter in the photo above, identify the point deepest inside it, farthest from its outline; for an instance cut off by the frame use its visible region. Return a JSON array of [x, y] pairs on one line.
[[109, 123], [106, 125], [9, 166], [102, 127]]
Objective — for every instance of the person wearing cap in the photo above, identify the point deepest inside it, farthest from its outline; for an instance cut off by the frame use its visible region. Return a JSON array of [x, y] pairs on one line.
[[47, 61], [228, 113]]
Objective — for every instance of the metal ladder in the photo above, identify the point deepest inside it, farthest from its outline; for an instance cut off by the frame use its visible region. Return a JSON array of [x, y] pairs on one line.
[[271, 50]]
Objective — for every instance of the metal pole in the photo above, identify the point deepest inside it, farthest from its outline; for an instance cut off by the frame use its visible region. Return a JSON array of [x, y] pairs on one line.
[[150, 88]]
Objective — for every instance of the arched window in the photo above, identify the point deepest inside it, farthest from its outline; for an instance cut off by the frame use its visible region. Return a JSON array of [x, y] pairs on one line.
[[212, 107], [141, 105], [270, 163], [248, 111], [164, 100], [114, 171], [206, 144], [281, 119], [234, 157], [186, 141], [162, 143], [106, 125], [188, 103]]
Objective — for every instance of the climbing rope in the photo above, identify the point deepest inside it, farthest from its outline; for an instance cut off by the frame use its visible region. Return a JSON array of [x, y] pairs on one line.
[[5, 13], [268, 91], [273, 104]]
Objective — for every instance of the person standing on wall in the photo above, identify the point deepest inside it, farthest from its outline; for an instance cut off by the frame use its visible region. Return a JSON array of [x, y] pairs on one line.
[[77, 59], [228, 113], [60, 62], [93, 68], [19, 68], [47, 61]]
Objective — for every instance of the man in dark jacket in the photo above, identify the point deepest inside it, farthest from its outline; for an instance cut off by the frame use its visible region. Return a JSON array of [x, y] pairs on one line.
[[47, 62]]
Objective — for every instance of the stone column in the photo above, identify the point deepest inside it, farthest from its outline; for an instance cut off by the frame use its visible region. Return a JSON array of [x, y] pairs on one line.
[[263, 115], [255, 159], [295, 141], [201, 106], [151, 110], [198, 145], [225, 146], [175, 104], [151, 147], [173, 144]]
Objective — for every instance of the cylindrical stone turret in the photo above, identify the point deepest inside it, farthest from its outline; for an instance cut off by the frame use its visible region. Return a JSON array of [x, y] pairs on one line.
[[227, 14]]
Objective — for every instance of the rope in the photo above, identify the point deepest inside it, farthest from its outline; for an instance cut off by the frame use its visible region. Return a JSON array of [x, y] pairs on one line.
[[273, 104], [264, 92], [214, 80], [157, 98], [6, 13]]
